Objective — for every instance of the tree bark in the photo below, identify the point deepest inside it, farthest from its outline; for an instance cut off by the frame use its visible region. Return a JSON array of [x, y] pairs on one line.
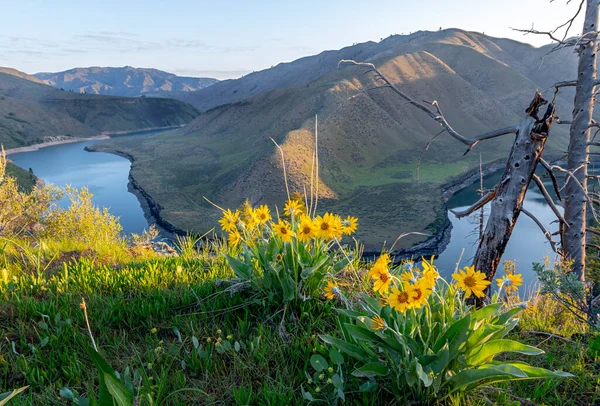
[[510, 192], [575, 199]]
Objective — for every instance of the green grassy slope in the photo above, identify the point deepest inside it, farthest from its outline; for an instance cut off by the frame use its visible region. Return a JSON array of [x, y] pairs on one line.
[[24, 179], [369, 140]]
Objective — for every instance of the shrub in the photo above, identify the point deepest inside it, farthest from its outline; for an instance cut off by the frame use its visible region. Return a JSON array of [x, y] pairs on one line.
[[419, 336], [290, 258]]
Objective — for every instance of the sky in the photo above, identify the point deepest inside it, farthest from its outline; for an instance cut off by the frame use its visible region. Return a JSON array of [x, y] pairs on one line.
[[227, 39]]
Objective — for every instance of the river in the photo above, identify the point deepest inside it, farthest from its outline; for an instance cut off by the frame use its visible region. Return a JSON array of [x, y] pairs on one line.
[[106, 176]]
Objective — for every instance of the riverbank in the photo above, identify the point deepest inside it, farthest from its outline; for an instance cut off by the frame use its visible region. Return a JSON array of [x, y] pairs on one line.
[[66, 140]]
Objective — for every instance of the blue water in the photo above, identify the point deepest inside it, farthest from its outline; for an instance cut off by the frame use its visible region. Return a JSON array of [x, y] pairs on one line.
[[105, 175], [526, 245]]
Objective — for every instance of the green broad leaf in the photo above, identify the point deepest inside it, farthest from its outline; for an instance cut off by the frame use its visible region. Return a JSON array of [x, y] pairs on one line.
[[307, 395], [470, 377], [423, 376], [288, 286], [318, 362], [350, 313], [304, 257], [485, 312], [506, 316], [5, 397], [535, 372], [67, 393], [337, 382], [272, 250], [361, 333], [352, 350], [484, 333], [336, 357], [118, 391], [111, 390], [455, 336], [307, 272], [371, 369], [195, 342], [341, 264], [368, 386], [240, 269], [489, 350], [438, 362]]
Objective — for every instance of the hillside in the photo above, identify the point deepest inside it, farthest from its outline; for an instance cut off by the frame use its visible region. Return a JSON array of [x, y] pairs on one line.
[[32, 112], [125, 81], [369, 141]]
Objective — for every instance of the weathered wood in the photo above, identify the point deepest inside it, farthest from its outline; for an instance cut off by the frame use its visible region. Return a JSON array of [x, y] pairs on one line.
[[510, 192], [575, 199], [485, 199], [542, 227], [548, 198]]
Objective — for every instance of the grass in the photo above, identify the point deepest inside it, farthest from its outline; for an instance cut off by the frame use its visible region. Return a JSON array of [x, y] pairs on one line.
[[165, 321]]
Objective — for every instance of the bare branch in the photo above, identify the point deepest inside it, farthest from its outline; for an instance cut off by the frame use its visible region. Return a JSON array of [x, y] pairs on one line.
[[542, 227], [548, 169], [477, 205], [549, 200], [435, 115]]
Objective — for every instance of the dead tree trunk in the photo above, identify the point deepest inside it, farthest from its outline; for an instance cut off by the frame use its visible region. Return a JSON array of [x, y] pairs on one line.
[[575, 198], [510, 191], [507, 197]]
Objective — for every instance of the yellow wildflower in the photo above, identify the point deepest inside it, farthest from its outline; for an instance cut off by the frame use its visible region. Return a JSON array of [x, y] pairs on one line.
[[471, 281], [401, 300], [307, 229], [408, 276], [283, 230], [325, 226], [263, 214], [293, 207], [377, 323], [382, 263], [331, 290], [383, 279], [349, 225], [229, 220], [337, 227], [511, 282], [234, 238], [422, 292]]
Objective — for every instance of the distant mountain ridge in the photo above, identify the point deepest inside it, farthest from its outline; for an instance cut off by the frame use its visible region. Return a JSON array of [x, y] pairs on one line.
[[124, 81], [32, 112]]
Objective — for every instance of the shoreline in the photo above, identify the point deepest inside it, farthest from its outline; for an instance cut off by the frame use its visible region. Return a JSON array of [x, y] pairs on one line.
[[104, 135], [70, 140]]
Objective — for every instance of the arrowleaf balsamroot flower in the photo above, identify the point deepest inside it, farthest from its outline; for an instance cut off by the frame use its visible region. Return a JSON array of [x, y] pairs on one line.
[[401, 300], [263, 214], [331, 290], [229, 220], [349, 225], [326, 226], [381, 264], [307, 229], [383, 279], [234, 238], [377, 323], [511, 282], [283, 230], [422, 292], [471, 281], [293, 207]]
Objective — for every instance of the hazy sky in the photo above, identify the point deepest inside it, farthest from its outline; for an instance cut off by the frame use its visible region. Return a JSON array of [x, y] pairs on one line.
[[226, 39]]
